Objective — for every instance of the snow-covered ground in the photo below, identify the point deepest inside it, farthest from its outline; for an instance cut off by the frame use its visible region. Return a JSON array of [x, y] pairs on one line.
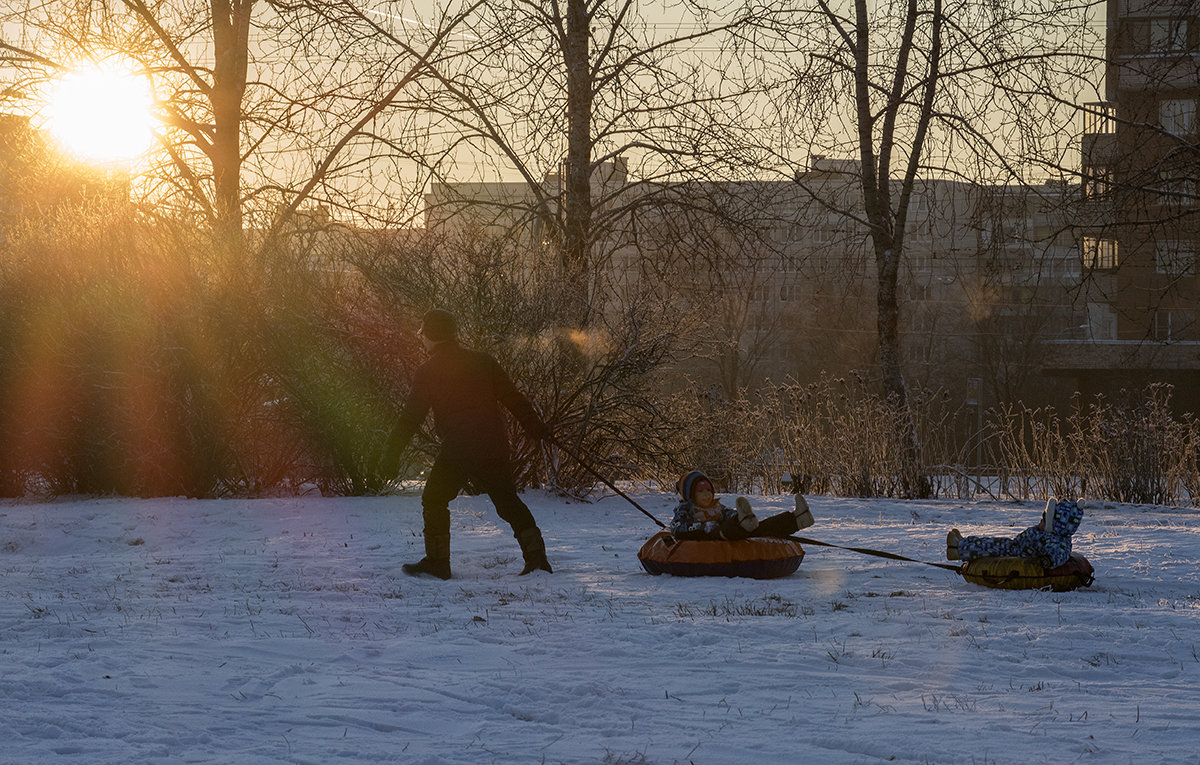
[[283, 631]]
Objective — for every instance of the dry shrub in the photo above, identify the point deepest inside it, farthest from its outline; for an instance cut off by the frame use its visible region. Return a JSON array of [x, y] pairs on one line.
[[126, 368], [102, 387], [1132, 450], [1035, 452], [129, 366], [839, 437], [828, 437]]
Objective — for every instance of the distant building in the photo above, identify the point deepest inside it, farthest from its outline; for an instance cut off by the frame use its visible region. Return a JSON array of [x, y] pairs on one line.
[[1140, 220], [781, 278]]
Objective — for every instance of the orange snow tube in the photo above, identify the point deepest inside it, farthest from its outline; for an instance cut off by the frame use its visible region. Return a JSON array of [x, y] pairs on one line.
[[1028, 574], [755, 558]]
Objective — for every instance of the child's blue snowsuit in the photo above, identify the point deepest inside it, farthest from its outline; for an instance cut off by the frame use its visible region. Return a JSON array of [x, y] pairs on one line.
[[1052, 546]]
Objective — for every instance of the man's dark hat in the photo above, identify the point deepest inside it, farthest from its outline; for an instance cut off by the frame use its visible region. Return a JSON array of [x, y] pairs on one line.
[[439, 325]]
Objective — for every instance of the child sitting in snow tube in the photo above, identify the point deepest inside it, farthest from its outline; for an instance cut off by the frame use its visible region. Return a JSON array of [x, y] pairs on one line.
[[700, 515], [708, 539], [1049, 542]]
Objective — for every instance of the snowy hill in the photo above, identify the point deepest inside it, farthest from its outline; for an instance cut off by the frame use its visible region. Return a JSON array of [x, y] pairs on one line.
[[283, 631]]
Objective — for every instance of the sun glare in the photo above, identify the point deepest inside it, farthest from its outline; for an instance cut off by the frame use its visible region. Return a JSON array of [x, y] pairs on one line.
[[102, 114]]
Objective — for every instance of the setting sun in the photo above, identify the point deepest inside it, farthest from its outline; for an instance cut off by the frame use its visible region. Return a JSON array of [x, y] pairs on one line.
[[102, 114]]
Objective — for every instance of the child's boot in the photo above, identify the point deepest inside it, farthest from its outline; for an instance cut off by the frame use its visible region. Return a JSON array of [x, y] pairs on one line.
[[952, 540], [804, 516], [746, 517]]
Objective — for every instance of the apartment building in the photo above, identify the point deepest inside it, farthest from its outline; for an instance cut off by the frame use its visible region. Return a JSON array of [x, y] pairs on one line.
[[1140, 217], [781, 274]]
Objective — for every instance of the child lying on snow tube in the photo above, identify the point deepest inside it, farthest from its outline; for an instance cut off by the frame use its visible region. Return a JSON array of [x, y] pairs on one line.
[[1049, 542], [702, 516]]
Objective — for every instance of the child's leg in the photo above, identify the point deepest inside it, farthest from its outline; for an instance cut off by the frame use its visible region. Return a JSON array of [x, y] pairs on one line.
[[740, 524], [745, 514], [1052, 549], [970, 548], [782, 525], [786, 524]]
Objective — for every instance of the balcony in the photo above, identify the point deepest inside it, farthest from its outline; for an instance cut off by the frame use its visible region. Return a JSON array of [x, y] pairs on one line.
[[1125, 355], [1155, 71], [1098, 145]]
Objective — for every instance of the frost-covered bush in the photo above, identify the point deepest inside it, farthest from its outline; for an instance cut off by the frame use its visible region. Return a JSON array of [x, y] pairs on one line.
[[838, 437], [834, 436], [134, 362]]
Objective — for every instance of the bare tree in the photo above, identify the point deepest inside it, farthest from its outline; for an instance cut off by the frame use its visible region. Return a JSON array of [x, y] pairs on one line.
[[914, 88], [596, 111]]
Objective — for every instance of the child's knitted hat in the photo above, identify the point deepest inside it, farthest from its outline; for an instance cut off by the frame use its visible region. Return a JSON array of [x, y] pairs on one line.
[[688, 483]]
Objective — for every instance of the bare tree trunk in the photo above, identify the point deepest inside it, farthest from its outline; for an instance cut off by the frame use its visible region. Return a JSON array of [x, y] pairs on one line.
[[577, 192], [887, 322], [886, 217], [231, 28]]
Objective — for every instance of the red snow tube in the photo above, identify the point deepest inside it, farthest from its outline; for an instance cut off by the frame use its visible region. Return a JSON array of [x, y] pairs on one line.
[[1027, 574], [755, 558]]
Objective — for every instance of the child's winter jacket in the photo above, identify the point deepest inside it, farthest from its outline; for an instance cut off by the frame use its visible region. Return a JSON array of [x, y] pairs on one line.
[[692, 522]]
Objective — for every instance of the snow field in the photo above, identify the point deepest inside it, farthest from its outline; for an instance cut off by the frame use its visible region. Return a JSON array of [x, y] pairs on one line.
[[282, 630]]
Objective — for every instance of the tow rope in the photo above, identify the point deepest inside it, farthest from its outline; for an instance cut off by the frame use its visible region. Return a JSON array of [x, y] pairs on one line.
[[587, 466], [877, 553]]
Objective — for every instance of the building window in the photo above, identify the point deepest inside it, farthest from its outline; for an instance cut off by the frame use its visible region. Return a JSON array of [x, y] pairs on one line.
[[1161, 35], [1168, 35], [1099, 254], [1177, 115], [789, 232], [1175, 257], [821, 261], [1173, 325], [1101, 322], [1097, 183], [1177, 192]]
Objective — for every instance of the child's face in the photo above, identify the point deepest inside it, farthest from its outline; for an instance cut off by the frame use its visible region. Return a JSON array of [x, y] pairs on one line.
[[703, 494]]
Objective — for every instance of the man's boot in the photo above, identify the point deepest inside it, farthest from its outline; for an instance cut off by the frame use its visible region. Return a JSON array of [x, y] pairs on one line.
[[436, 561], [534, 550]]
